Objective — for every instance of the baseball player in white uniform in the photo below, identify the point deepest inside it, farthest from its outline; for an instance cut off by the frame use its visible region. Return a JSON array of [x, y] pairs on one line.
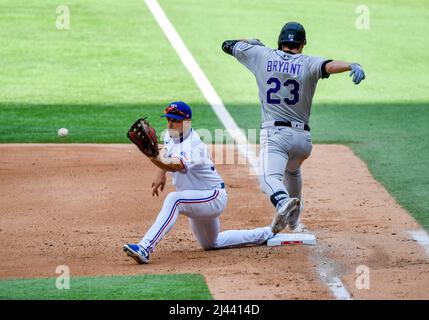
[[200, 191], [286, 80]]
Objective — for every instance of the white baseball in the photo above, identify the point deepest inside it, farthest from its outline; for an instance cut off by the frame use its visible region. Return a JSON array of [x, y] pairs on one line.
[[63, 132]]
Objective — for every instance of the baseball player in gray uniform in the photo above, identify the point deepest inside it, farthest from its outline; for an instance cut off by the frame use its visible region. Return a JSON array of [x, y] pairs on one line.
[[286, 80]]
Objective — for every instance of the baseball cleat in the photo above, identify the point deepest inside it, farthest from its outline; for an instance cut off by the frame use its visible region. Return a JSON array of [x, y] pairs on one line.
[[280, 221], [293, 219], [137, 252], [299, 229]]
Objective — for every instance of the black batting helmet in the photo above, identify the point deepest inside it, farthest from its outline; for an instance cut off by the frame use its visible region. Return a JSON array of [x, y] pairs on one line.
[[292, 32]]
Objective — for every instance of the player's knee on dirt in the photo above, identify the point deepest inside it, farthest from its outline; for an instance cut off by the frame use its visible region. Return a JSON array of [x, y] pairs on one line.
[[209, 246], [206, 231]]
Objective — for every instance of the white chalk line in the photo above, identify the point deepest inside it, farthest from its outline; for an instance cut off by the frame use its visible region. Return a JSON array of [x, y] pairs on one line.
[[334, 283], [202, 82]]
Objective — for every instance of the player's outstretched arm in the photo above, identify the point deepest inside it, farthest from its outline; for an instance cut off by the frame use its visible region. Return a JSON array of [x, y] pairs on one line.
[[338, 66], [228, 45], [168, 164]]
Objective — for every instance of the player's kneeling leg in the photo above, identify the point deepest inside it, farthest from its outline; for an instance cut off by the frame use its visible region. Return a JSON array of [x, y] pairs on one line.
[[206, 231], [164, 222]]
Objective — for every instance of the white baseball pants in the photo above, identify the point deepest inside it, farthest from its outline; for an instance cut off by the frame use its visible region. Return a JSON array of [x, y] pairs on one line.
[[203, 208], [283, 150]]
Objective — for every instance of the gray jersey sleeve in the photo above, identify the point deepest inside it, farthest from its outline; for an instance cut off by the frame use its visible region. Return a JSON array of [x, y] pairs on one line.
[[248, 54], [314, 67]]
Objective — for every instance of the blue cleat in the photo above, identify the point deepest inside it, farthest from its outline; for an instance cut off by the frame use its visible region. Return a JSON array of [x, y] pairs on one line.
[[137, 252]]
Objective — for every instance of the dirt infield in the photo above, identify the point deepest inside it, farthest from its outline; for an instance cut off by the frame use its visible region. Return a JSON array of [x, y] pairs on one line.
[[78, 204]]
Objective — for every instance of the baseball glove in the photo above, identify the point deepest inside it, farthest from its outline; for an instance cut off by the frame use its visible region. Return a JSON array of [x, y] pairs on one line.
[[144, 137]]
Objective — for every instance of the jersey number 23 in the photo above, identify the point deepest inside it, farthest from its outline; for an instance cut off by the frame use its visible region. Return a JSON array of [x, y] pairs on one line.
[[291, 84]]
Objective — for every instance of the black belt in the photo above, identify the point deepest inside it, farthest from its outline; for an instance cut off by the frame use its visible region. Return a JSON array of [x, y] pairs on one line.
[[289, 124]]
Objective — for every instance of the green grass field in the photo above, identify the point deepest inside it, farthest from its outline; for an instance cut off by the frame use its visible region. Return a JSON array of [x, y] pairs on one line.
[[147, 287], [115, 64]]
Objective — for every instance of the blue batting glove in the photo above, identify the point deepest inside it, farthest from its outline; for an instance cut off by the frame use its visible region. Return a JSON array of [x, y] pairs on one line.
[[357, 72]]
